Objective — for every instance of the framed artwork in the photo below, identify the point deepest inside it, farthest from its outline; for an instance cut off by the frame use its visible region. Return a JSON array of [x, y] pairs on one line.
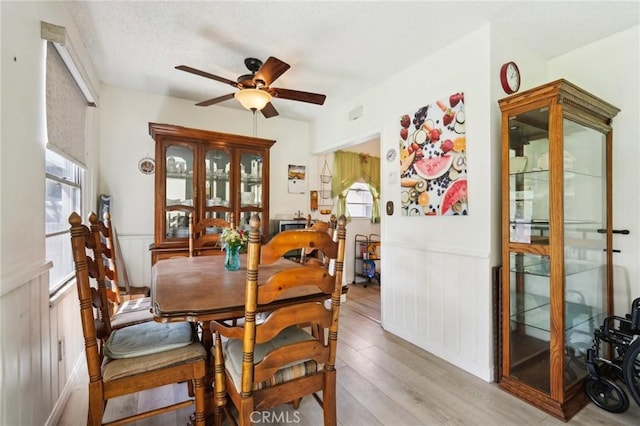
[[433, 159], [296, 179]]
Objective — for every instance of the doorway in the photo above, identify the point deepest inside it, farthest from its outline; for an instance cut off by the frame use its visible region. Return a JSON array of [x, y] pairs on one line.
[[364, 295]]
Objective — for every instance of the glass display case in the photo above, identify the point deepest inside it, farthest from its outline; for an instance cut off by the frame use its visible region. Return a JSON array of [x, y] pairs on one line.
[[207, 174], [557, 273]]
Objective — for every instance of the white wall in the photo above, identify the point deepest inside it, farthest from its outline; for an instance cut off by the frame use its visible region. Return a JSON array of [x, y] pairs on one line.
[[436, 269], [125, 141], [32, 377]]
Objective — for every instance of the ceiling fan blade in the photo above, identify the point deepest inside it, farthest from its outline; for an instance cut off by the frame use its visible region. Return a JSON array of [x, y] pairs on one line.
[[297, 95], [215, 100], [269, 111], [207, 75], [271, 70]]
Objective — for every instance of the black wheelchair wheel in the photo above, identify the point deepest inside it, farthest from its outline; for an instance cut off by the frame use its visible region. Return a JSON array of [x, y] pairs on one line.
[[606, 394], [631, 370]]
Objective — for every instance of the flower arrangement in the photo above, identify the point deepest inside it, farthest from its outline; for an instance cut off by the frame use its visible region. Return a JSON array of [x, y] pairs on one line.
[[234, 238]]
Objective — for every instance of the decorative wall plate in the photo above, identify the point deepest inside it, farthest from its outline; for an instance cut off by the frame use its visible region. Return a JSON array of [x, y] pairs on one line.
[[147, 166]]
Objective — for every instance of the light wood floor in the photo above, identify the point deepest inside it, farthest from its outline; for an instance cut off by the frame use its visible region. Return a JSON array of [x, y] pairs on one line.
[[382, 380]]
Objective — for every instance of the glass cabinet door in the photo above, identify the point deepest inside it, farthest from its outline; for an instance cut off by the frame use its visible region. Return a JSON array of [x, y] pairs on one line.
[[585, 242], [217, 193], [179, 190], [251, 178], [529, 177], [584, 281], [530, 285], [530, 319]]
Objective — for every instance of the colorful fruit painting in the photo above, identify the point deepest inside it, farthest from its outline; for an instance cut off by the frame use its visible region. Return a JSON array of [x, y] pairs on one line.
[[433, 159], [434, 167], [455, 197]]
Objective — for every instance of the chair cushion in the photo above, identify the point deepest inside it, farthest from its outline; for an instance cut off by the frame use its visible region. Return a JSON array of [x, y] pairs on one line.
[[147, 338], [134, 305], [118, 368], [124, 319], [233, 358]]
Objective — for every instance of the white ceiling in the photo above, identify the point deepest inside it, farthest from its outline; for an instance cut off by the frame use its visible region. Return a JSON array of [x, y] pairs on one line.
[[335, 48]]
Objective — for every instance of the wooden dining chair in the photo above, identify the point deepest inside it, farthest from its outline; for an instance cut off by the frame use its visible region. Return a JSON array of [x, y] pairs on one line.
[[200, 239], [123, 312], [125, 290], [135, 358], [279, 361], [310, 254]]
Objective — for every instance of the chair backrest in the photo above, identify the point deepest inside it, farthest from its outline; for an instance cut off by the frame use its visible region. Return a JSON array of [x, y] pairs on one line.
[[201, 235], [110, 253], [95, 329], [327, 280], [310, 254]]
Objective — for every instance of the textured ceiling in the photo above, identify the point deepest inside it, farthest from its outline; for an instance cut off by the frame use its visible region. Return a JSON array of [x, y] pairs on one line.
[[335, 48]]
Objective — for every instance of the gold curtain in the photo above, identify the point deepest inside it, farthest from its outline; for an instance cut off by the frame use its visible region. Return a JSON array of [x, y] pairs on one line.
[[349, 168]]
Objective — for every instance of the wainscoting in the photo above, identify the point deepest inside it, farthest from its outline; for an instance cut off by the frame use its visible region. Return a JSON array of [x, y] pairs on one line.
[[441, 300], [137, 258], [41, 343]]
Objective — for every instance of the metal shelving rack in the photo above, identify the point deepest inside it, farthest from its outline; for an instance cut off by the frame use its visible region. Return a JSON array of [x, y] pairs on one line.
[[366, 248]]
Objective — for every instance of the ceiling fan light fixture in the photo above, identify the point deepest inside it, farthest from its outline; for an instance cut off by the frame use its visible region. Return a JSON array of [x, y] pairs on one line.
[[253, 99]]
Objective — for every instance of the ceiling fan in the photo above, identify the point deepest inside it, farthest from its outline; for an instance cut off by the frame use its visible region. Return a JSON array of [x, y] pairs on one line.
[[254, 90]]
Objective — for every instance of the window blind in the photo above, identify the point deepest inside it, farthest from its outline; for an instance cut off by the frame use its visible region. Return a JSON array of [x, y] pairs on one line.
[[66, 110]]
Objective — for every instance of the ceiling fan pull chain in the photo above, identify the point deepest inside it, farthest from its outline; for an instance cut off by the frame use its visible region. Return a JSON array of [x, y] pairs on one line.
[[255, 124]]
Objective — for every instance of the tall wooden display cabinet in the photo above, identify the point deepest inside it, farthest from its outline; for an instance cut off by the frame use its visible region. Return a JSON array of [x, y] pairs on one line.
[[557, 233], [209, 175]]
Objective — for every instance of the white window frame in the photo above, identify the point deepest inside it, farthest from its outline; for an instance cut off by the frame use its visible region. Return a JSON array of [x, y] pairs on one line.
[[359, 200], [57, 239]]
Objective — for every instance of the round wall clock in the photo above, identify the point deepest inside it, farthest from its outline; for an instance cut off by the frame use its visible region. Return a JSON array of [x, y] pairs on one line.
[[510, 77], [391, 155], [147, 166]]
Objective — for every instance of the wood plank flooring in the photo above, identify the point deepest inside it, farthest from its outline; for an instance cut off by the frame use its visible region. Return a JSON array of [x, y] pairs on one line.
[[382, 380]]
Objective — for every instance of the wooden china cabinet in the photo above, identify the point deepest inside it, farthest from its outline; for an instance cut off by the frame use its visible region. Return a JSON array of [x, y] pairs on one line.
[[209, 174], [557, 257]]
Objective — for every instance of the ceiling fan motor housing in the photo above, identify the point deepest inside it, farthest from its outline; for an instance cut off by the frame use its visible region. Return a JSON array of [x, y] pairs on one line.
[[253, 64]]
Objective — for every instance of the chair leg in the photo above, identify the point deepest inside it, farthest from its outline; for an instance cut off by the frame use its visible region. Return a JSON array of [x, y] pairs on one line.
[[219, 381], [296, 403], [329, 399], [244, 411], [96, 404], [200, 401]]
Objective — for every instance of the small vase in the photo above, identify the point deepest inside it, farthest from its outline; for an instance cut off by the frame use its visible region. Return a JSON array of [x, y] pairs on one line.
[[232, 258]]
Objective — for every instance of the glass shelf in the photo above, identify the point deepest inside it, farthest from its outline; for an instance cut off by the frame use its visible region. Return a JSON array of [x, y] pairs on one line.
[[578, 317], [218, 175]]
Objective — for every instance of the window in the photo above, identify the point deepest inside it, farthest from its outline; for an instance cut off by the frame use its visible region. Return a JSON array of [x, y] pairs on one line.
[[359, 200], [63, 196]]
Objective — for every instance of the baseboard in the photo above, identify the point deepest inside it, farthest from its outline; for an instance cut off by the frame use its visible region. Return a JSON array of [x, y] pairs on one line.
[[58, 408]]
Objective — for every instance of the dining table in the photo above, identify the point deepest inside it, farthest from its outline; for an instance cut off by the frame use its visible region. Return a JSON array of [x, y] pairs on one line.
[[200, 289]]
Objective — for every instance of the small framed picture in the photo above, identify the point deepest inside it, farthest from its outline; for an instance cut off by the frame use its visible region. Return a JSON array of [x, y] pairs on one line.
[[147, 166]]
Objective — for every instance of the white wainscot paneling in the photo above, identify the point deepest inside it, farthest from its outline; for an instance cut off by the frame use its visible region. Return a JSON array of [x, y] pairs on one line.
[[137, 258], [441, 301], [41, 344], [29, 377]]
